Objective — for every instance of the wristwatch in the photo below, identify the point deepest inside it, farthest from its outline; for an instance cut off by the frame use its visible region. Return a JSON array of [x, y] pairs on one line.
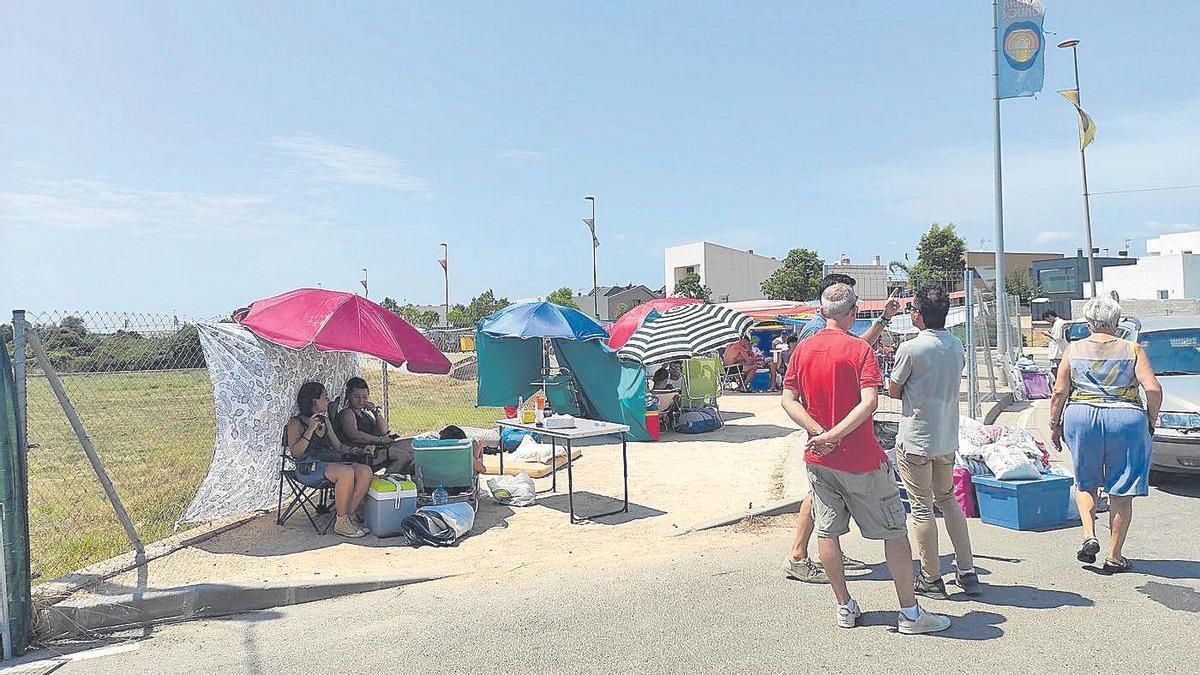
[[881, 320]]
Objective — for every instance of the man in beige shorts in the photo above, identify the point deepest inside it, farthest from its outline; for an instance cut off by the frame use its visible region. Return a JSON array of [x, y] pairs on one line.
[[831, 390]]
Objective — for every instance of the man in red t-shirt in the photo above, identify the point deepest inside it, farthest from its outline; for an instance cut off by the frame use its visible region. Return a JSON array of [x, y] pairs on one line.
[[832, 390]]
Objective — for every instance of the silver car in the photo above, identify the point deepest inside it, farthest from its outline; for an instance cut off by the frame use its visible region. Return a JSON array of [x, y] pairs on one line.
[[1173, 347]]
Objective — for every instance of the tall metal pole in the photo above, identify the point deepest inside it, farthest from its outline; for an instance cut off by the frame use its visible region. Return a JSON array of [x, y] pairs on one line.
[[595, 284], [1001, 299], [366, 290], [1087, 207], [446, 272]]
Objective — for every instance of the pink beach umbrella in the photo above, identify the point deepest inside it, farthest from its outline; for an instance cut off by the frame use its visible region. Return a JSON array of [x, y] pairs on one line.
[[339, 321]]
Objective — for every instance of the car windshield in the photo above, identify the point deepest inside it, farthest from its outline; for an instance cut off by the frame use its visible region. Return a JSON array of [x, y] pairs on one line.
[[1077, 331], [1173, 352]]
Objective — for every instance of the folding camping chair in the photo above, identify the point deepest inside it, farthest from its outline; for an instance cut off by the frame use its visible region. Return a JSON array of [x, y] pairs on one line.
[[702, 382], [449, 463], [302, 495]]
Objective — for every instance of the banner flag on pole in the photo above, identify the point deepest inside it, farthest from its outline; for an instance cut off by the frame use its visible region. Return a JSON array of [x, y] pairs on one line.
[[1021, 48], [592, 228], [1087, 127], [442, 262]]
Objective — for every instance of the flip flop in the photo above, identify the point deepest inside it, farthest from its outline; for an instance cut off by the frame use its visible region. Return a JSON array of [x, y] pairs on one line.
[[1122, 564]]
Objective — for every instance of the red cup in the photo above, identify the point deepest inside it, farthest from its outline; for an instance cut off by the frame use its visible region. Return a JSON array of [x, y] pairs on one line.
[[510, 411]]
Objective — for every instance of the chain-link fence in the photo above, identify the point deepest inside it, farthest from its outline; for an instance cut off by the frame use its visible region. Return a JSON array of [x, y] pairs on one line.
[[141, 389], [139, 385], [974, 319]]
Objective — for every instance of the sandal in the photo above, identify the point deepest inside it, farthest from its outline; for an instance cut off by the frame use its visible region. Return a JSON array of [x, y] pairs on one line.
[[1087, 554], [1117, 566]]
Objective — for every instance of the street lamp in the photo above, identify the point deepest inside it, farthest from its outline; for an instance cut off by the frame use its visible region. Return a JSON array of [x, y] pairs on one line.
[[1072, 44], [591, 224], [445, 261], [366, 291]]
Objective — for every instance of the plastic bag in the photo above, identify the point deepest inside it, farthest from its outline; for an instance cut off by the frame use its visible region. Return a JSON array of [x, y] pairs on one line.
[[439, 525], [1010, 463], [964, 492], [531, 451], [515, 490]]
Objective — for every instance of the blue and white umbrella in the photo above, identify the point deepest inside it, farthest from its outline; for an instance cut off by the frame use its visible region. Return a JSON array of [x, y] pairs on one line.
[[683, 332]]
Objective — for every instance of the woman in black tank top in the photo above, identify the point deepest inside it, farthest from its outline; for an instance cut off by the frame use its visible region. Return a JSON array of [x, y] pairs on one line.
[[317, 452], [361, 423]]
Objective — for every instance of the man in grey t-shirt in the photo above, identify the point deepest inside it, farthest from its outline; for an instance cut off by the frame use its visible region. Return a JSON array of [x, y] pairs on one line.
[[926, 377]]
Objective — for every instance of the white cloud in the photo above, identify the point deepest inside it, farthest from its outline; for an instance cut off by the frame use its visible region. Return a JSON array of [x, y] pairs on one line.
[[331, 162], [96, 205], [519, 157], [1166, 228], [1053, 237]]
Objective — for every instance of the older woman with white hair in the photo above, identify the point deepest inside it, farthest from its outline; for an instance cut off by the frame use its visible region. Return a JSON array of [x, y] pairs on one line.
[[1098, 410]]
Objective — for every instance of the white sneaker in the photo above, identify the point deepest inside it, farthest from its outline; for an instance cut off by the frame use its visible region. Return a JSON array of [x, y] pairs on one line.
[[925, 623], [848, 615]]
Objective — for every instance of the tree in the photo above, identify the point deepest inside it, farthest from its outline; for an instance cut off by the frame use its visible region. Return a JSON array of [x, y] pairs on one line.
[[412, 314], [798, 279], [1020, 284], [941, 256], [690, 287], [483, 305], [563, 296], [621, 309]]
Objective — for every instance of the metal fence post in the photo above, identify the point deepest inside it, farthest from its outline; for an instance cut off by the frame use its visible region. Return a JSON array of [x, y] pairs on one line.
[[77, 424], [386, 407], [972, 364], [19, 338]]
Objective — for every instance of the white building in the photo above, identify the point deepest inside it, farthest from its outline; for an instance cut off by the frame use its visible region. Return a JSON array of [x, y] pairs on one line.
[[1170, 271], [1171, 244], [731, 274], [870, 281], [1167, 276]]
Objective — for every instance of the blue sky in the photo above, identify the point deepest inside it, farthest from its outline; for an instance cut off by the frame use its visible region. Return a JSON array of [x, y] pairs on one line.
[[192, 157]]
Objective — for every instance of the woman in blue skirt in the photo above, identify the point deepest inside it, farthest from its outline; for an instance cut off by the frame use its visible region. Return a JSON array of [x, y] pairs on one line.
[[1098, 409]]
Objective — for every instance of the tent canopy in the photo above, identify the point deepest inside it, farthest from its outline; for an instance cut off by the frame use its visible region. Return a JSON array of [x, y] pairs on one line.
[[611, 390]]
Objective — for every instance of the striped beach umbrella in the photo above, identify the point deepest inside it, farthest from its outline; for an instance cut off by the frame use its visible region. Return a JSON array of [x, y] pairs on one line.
[[683, 332]]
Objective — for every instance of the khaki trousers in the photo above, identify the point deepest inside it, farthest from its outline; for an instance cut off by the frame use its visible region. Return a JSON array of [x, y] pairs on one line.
[[930, 481]]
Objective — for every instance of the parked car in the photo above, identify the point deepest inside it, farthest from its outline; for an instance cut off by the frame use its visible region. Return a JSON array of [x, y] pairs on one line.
[[1173, 346], [1078, 329]]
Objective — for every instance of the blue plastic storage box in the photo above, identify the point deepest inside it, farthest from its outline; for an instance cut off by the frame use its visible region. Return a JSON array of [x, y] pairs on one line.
[[1028, 505], [761, 381]]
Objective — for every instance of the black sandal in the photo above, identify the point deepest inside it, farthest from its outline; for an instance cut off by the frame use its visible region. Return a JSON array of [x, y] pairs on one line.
[[1117, 566], [1087, 554]]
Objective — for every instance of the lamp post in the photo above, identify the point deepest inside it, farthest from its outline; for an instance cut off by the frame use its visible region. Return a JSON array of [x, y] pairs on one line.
[[1072, 44], [446, 272], [366, 291], [591, 223]]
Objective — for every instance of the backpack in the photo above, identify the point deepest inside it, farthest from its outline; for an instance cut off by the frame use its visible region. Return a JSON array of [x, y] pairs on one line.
[[698, 421]]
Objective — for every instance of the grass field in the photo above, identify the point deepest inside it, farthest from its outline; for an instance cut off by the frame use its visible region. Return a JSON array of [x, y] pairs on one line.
[[154, 432]]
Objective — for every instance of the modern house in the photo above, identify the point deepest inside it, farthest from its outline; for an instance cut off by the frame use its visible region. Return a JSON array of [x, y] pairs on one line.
[[730, 273], [612, 301], [1169, 271], [1061, 280]]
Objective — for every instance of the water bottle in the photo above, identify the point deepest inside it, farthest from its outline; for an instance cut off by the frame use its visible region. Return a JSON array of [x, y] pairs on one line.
[[440, 496]]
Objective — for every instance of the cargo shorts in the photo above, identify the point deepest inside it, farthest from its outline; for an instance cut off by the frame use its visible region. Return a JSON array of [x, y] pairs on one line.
[[872, 499]]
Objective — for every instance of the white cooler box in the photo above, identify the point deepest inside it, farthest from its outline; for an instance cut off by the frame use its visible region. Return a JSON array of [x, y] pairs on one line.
[[389, 501]]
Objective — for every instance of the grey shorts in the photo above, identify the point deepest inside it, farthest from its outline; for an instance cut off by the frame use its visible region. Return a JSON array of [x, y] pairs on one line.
[[872, 499]]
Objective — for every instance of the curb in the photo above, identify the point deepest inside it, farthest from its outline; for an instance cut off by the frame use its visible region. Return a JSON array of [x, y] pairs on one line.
[[773, 509], [793, 465], [1004, 400], [61, 588], [109, 614]]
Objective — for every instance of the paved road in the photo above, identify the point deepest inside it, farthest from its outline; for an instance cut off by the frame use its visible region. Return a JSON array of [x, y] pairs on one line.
[[731, 609]]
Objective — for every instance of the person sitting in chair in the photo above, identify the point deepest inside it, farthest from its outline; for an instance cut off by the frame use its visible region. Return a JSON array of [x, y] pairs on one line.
[[666, 397], [453, 432], [318, 455], [741, 354], [361, 424]]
